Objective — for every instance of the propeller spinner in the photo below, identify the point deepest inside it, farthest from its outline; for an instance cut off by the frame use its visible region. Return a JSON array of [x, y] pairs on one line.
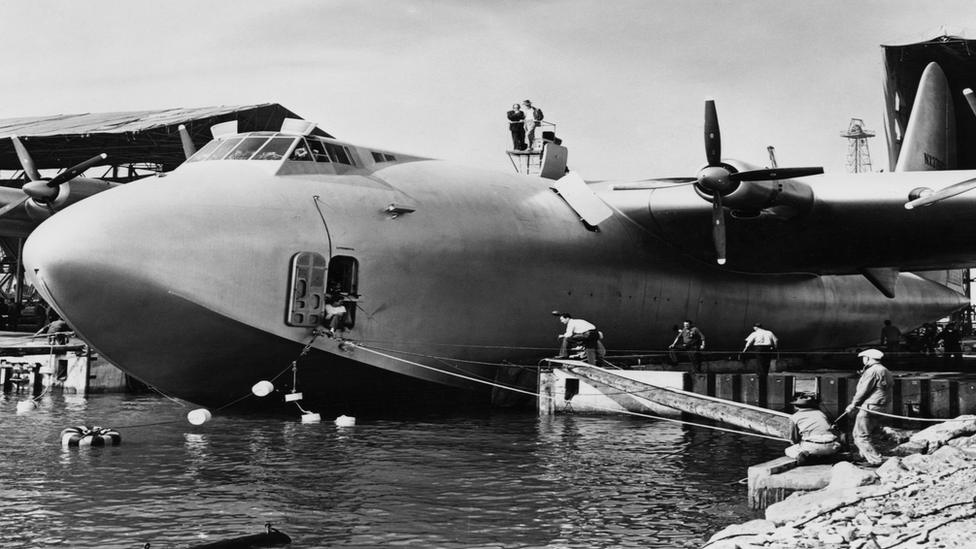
[[719, 179], [45, 192]]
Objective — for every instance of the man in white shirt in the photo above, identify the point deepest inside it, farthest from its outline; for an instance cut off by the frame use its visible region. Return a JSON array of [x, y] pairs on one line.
[[578, 331], [763, 343], [335, 315]]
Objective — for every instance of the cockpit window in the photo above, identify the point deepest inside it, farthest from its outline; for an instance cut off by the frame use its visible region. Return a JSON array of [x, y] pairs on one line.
[[205, 152], [224, 147], [338, 153], [274, 149], [301, 152], [246, 148], [318, 150]]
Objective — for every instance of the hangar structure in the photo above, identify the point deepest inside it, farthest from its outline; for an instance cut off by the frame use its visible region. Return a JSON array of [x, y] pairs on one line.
[[138, 144]]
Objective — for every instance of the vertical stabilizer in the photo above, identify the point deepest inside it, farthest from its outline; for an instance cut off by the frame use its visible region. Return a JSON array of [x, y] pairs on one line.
[[930, 139]]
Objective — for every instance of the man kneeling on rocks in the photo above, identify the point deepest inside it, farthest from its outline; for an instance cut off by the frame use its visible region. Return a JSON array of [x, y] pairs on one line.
[[810, 431]]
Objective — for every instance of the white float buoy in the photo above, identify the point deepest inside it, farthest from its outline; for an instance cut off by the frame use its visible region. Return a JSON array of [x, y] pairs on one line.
[[198, 416], [262, 388], [25, 406], [311, 417], [345, 421]]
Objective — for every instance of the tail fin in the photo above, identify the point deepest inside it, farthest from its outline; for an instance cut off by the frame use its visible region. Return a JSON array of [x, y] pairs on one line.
[[930, 139]]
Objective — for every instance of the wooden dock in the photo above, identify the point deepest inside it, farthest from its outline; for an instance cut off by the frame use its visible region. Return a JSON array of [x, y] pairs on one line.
[[915, 394]]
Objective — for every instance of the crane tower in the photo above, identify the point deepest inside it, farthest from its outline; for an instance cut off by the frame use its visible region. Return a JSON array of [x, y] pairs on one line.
[[858, 155]]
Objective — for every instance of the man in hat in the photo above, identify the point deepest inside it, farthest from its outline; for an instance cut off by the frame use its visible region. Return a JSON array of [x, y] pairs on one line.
[[578, 331], [532, 118], [873, 395], [810, 431]]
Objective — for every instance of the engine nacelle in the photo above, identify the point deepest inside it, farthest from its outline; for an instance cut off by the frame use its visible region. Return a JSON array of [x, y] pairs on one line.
[[783, 198]]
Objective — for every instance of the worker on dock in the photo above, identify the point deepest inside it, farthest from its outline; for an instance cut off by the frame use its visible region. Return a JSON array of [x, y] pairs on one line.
[[873, 395], [690, 340], [763, 343], [810, 431], [890, 337], [579, 331]]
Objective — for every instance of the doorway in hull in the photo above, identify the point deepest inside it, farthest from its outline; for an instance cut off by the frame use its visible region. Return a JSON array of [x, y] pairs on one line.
[[343, 282]]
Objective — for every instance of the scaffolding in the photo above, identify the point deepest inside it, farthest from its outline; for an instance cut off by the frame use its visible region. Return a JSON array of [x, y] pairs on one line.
[[529, 161], [858, 155]]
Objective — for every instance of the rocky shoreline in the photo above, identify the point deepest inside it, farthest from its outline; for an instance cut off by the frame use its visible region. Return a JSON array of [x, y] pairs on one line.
[[923, 496]]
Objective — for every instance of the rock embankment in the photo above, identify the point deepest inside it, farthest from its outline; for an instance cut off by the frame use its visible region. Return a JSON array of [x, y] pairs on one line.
[[925, 496]]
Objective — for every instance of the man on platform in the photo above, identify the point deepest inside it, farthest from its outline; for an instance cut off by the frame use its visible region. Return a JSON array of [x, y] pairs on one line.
[[578, 331], [763, 343], [873, 395], [692, 341]]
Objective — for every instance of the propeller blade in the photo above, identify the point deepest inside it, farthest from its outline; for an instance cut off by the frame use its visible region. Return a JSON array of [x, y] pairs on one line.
[[771, 174], [970, 98], [26, 161], [75, 171], [938, 196], [718, 228], [6, 209], [646, 184], [189, 149], [713, 138]]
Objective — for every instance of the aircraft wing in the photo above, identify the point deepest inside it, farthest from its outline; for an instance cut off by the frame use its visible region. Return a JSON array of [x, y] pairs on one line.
[[823, 224]]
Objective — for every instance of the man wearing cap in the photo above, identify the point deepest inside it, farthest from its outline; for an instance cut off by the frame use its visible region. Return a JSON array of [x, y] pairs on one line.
[[810, 431], [873, 395], [578, 331]]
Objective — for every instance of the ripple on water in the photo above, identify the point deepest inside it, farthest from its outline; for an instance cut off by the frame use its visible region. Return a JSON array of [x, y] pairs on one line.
[[484, 480]]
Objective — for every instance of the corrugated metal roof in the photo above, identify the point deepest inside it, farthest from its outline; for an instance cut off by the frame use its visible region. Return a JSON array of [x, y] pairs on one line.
[[63, 140]]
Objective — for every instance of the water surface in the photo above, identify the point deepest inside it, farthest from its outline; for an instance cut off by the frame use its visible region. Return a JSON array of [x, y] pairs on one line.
[[492, 479]]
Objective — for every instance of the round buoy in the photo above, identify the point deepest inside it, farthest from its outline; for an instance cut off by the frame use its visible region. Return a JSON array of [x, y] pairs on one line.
[[262, 388], [345, 421], [25, 406], [83, 435], [198, 416]]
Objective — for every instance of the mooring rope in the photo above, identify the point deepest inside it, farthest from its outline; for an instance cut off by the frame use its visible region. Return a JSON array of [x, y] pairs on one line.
[[909, 418], [535, 394]]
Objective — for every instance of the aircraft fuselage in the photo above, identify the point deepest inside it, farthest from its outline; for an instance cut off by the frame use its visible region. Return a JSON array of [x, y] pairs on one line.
[[185, 281]]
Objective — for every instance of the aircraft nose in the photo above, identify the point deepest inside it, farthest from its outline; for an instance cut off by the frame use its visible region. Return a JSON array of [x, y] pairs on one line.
[[91, 258]]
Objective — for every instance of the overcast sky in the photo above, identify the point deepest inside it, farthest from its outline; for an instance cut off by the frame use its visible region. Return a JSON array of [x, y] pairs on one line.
[[624, 81]]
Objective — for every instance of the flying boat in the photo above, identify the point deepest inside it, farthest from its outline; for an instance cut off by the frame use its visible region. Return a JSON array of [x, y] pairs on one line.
[[207, 279]]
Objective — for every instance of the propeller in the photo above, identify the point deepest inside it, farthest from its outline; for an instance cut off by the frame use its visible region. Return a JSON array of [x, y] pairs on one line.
[[45, 192], [189, 149], [719, 179]]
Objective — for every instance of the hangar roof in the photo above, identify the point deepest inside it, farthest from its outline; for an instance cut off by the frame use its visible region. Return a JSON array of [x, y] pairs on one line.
[[133, 137]]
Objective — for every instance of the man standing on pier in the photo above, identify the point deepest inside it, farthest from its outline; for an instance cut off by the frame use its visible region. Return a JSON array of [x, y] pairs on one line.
[[692, 341], [763, 343], [873, 395]]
